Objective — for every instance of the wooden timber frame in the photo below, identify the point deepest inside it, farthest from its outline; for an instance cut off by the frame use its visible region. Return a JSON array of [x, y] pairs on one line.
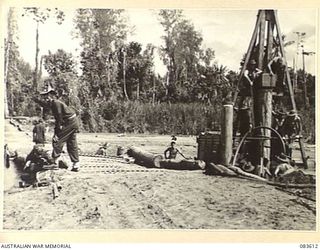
[[266, 38], [269, 16]]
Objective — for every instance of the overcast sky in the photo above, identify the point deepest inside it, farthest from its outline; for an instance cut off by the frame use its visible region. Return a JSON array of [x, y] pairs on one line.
[[227, 32]]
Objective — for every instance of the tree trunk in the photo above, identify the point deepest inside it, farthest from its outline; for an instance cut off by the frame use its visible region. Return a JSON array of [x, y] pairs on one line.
[[124, 77], [182, 164], [6, 63], [153, 92], [35, 79], [138, 90], [145, 158], [11, 29], [40, 68], [167, 84]]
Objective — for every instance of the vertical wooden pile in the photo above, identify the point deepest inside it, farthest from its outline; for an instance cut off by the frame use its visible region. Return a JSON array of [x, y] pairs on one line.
[[226, 134]]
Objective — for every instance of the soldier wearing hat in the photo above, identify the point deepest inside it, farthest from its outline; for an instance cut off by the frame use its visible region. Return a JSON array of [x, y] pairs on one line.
[[66, 126], [244, 115], [284, 164], [37, 158]]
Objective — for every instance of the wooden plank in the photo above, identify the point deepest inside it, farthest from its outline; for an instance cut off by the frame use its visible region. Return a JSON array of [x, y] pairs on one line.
[[261, 39], [256, 101], [217, 169], [269, 41], [243, 173]]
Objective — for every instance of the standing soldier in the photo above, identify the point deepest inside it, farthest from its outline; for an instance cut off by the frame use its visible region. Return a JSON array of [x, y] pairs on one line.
[[244, 116], [6, 156], [66, 127], [277, 67], [252, 73], [39, 133], [246, 107], [291, 130]]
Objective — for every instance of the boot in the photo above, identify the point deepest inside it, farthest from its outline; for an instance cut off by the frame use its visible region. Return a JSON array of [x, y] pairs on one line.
[[56, 160], [75, 167]]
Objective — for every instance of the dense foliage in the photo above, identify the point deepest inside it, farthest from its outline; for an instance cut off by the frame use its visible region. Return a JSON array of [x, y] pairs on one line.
[[117, 89]]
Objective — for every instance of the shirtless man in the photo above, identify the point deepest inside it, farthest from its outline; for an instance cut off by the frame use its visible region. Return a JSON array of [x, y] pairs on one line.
[[172, 151]]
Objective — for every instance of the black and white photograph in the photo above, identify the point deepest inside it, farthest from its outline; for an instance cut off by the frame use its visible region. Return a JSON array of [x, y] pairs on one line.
[[160, 118]]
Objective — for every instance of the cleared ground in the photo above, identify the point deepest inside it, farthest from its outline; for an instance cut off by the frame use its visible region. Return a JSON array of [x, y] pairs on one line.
[[142, 199]]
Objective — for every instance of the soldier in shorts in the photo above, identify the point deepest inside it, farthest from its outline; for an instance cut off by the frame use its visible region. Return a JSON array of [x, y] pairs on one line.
[[172, 151]]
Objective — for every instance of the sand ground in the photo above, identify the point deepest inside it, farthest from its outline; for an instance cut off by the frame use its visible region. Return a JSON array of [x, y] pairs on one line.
[[146, 198]]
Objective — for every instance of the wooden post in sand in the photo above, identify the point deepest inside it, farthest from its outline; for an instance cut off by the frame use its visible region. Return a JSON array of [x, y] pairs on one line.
[[145, 158], [226, 134], [55, 190]]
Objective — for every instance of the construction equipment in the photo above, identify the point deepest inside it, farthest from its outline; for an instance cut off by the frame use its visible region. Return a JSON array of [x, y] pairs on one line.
[[266, 44]]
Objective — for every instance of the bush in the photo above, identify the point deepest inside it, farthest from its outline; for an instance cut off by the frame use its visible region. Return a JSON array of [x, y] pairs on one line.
[[162, 118], [308, 124]]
